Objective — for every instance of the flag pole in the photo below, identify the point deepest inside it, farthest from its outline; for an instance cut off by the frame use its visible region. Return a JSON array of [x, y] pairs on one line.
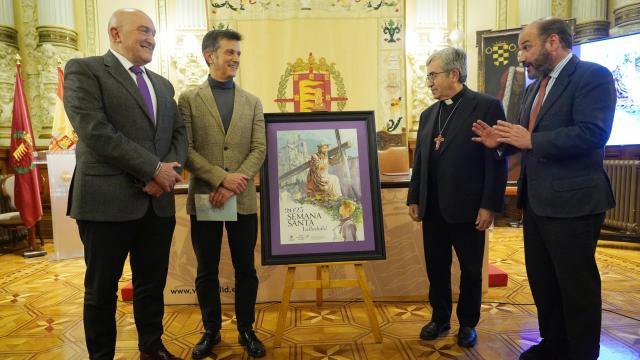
[[33, 251]]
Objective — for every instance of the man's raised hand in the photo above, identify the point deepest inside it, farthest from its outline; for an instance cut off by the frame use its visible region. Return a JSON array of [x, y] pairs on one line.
[[487, 135]]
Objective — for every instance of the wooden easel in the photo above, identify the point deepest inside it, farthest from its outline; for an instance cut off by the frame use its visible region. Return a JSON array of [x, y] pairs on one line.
[[323, 282]]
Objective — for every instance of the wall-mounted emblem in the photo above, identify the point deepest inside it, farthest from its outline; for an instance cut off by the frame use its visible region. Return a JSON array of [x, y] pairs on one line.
[[500, 52], [312, 86]]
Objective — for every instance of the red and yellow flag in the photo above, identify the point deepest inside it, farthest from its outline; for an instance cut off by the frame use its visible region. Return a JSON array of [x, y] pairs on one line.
[[27, 191], [63, 137]]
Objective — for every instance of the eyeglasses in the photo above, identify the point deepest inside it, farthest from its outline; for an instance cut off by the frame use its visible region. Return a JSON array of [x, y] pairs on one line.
[[432, 75]]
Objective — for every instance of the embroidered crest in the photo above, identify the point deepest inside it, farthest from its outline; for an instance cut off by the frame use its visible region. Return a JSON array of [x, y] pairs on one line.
[[22, 158]]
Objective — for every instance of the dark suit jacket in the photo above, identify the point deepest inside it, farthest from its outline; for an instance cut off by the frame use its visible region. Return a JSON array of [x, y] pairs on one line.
[[470, 177], [118, 146], [563, 175]]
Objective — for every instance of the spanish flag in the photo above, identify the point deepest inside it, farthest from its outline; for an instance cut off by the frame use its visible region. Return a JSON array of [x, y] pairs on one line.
[[63, 137], [27, 190]]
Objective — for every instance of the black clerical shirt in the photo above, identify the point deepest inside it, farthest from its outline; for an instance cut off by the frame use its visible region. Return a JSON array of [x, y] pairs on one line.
[[434, 155]]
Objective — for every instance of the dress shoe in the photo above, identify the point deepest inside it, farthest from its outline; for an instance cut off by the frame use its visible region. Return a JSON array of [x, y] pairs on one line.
[[432, 330], [161, 354], [467, 336], [207, 342], [541, 351], [251, 343]]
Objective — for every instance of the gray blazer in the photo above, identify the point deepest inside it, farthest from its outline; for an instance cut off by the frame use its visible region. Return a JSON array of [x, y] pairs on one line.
[[118, 146], [213, 153]]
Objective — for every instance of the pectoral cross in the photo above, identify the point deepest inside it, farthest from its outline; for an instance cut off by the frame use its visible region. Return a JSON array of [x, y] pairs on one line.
[[439, 139]]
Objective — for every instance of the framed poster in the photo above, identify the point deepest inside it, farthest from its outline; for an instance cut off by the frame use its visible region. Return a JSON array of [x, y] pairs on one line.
[[319, 189]]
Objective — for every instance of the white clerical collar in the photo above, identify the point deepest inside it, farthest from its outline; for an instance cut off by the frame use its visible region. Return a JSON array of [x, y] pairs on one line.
[[448, 101]]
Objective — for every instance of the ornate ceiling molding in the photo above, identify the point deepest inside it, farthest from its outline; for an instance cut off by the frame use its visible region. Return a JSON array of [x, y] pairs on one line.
[[58, 36], [627, 15], [591, 30], [9, 36]]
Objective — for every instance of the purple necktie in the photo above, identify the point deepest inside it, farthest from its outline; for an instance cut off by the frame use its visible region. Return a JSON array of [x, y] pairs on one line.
[[144, 89]]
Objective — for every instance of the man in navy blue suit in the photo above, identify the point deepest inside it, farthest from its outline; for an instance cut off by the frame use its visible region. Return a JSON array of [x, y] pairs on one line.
[[563, 189]]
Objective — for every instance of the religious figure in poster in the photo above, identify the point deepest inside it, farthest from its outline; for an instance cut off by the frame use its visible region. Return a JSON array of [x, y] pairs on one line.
[[321, 184], [319, 194]]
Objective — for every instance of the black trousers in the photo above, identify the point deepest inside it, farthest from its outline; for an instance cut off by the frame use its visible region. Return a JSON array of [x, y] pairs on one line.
[[106, 245], [206, 237], [564, 280], [439, 237]]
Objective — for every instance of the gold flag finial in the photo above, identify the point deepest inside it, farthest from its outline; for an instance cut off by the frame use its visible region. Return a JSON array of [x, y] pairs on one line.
[[59, 61], [18, 58]]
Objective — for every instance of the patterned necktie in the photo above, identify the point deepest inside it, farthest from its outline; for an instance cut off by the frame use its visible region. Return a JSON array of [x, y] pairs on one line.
[[144, 89], [538, 104]]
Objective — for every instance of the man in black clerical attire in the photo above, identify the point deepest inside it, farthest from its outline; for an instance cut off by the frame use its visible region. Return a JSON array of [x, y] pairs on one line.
[[456, 187]]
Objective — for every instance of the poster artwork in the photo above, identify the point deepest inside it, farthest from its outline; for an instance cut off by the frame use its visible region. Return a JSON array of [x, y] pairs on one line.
[[319, 186]]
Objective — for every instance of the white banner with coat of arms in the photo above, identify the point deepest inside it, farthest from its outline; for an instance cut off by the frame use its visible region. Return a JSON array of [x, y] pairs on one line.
[[320, 55]]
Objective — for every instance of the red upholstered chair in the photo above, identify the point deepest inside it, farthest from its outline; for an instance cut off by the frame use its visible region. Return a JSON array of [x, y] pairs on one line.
[[11, 220]]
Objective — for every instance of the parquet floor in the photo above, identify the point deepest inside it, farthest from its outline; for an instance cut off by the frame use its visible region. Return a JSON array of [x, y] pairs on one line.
[[41, 316]]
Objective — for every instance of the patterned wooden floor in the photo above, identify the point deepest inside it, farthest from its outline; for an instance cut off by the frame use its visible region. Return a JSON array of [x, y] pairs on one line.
[[41, 316]]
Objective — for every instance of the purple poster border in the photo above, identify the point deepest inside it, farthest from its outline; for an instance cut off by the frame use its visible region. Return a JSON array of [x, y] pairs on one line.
[[372, 247], [277, 248]]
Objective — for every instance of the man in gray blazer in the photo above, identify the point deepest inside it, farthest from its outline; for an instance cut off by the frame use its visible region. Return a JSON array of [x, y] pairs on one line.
[[225, 129], [131, 143]]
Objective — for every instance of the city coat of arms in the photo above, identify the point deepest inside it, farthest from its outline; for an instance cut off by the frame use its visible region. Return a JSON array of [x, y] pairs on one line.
[[312, 86]]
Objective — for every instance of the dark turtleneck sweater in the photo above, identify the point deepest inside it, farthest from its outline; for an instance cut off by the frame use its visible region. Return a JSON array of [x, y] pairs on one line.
[[223, 93]]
